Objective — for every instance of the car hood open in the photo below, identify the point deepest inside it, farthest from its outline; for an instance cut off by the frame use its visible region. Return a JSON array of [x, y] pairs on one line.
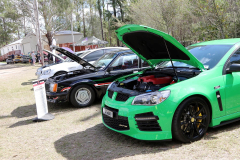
[[55, 55], [73, 56], [153, 45]]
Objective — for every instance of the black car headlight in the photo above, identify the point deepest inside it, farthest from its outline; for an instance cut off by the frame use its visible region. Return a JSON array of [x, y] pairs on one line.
[[152, 98]]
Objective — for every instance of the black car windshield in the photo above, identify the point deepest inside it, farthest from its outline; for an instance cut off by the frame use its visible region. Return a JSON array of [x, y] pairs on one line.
[[208, 55], [102, 62]]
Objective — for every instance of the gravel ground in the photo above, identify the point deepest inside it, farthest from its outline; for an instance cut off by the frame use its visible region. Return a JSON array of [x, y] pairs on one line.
[[80, 134]]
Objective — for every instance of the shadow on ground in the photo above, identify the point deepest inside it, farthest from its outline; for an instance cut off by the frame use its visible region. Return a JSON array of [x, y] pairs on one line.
[[9, 66], [28, 83], [30, 110], [99, 142]]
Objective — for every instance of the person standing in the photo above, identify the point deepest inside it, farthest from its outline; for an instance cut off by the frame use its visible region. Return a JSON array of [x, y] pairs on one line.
[[13, 58], [38, 57], [33, 57]]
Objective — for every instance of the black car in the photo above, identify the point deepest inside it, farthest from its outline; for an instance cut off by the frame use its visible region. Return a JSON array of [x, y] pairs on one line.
[[82, 87]]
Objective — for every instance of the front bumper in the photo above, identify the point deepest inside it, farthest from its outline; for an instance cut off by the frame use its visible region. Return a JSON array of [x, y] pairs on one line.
[[57, 97], [125, 109]]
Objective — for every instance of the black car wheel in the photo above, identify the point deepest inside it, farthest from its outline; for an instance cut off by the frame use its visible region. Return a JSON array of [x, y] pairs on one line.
[[82, 96], [191, 120]]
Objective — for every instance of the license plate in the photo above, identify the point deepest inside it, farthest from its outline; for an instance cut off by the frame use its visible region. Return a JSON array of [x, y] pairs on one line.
[[107, 112]]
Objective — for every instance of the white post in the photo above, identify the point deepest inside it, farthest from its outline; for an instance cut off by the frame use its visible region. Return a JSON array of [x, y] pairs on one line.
[[38, 34]]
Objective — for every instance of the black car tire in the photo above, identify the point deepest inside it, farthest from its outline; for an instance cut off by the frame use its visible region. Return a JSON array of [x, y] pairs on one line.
[[81, 92], [191, 120]]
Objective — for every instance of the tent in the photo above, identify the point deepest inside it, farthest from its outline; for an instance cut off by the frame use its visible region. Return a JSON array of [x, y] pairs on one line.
[[90, 41]]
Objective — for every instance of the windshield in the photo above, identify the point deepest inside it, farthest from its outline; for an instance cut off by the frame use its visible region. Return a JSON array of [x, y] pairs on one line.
[[102, 62], [208, 55], [70, 60]]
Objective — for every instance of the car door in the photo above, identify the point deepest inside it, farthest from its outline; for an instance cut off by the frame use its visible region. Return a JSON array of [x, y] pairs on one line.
[[125, 64], [232, 87]]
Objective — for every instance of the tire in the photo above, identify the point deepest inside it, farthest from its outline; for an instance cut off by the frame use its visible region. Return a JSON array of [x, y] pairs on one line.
[[191, 120], [59, 73], [82, 96]]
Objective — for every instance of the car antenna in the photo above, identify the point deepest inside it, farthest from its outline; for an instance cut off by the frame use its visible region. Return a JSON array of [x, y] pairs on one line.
[[170, 58]]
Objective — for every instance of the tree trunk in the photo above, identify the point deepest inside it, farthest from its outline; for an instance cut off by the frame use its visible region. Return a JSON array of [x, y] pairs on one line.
[[84, 27], [115, 15]]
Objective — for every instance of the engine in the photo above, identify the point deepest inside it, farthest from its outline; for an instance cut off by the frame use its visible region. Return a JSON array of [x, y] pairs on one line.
[[152, 83]]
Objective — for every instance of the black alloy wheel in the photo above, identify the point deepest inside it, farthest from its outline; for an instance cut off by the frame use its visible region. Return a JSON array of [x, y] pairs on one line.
[[191, 120], [82, 96]]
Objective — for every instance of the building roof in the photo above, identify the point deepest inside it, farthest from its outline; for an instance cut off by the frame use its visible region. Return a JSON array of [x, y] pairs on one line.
[[66, 32], [16, 42]]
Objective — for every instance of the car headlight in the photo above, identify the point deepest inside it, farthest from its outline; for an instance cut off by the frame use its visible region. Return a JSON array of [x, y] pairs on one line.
[[45, 72], [110, 85], [152, 98], [53, 87]]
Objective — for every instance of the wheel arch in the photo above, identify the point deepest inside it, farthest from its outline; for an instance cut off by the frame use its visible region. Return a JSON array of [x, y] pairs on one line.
[[59, 72], [201, 96]]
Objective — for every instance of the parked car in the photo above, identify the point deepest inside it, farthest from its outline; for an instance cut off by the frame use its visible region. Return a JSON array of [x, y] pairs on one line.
[[9, 60], [17, 59], [198, 88], [69, 64], [82, 87], [25, 59]]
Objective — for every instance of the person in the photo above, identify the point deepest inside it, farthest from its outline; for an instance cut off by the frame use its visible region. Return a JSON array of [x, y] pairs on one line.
[[38, 57], [13, 58], [33, 58]]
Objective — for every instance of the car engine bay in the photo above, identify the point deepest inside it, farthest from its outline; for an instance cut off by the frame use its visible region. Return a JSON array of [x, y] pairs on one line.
[[152, 80]]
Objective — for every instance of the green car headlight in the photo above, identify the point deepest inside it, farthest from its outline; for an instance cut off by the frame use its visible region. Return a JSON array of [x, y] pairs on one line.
[[152, 98]]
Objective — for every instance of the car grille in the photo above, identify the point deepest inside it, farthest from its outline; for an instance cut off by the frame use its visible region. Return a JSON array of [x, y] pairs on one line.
[[117, 122], [122, 97], [148, 124], [110, 93]]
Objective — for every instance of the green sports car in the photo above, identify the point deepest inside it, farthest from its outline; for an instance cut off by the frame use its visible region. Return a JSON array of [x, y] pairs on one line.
[[185, 91]]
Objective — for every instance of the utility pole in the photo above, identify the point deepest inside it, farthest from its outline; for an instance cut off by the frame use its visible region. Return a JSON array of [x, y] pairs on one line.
[[72, 32], [38, 34]]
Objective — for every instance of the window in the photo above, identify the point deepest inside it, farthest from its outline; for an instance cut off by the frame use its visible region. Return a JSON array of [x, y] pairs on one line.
[[126, 61], [144, 64], [235, 59], [94, 55]]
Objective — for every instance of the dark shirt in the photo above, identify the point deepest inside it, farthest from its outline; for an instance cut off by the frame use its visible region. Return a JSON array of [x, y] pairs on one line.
[[12, 56]]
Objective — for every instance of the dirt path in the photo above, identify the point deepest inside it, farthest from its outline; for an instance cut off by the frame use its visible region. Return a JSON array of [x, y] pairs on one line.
[[80, 134]]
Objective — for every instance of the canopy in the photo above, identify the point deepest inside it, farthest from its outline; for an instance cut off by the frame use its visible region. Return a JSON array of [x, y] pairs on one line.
[[90, 41]]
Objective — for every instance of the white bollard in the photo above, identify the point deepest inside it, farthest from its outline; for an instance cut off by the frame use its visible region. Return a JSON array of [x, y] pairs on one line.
[[41, 102]]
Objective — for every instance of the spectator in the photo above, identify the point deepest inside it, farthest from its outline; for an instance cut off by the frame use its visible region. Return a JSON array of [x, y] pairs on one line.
[[38, 57], [33, 58]]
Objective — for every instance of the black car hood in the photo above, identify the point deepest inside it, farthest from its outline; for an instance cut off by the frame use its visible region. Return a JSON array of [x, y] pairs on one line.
[[73, 57]]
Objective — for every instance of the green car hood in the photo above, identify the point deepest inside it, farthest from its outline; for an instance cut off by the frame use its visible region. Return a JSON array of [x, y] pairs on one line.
[[153, 46]]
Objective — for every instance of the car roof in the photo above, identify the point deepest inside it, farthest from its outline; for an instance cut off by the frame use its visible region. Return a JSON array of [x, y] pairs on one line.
[[231, 41]]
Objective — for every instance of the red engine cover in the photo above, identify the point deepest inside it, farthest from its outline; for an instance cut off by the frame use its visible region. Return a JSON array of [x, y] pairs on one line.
[[160, 80]]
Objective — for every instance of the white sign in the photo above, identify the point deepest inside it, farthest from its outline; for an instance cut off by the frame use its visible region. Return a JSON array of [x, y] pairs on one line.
[[41, 101]]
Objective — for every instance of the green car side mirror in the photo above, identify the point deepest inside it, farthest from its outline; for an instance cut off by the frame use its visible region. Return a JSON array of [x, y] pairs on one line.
[[233, 68]]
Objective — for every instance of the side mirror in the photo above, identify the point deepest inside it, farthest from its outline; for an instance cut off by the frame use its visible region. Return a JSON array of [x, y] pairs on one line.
[[233, 68], [109, 69]]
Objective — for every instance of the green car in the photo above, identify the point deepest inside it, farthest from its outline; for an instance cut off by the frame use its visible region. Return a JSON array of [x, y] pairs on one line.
[[185, 91]]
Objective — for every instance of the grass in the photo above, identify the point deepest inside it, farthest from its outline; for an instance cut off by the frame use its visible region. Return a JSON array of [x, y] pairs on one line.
[[80, 134]]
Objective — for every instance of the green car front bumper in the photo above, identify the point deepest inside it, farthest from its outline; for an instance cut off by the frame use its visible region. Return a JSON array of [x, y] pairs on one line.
[[128, 111]]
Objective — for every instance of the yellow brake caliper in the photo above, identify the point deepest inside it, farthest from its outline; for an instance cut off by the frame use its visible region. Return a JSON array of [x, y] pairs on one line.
[[199, 120]]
